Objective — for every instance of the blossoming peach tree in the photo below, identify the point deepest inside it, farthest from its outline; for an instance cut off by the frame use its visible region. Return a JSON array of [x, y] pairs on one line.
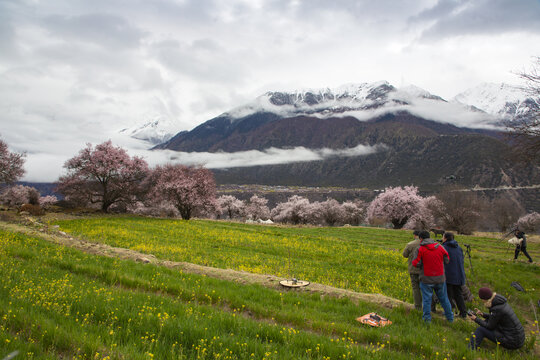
[[104, 175]]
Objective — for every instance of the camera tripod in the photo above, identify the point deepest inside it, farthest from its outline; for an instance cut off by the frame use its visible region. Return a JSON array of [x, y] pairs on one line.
[[468, 252]]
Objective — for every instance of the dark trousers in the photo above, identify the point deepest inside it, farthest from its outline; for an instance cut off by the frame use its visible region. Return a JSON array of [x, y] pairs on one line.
[[456, 298], [524, 250], [417, 294], [479, 335]]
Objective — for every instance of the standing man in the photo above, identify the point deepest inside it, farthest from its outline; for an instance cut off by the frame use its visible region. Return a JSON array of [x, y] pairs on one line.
[[410, 252], [431, 258], [454, 272], [522, 246]]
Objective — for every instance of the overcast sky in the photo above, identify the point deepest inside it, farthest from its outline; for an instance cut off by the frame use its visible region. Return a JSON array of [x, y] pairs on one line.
[[77, 71]]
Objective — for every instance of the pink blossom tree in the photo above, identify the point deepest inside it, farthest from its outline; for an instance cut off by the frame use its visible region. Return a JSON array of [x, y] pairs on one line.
[[423, 218], [47, 201], [257, 208], [294, 211], [354, 212], [313, 213], [529, 223], [104, 175], [18, 195], [230, 205], [11, 165], [332, 212], [189, 189], [396, 205]]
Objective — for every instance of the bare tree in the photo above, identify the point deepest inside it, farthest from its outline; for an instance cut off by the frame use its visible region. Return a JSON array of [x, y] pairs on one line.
[[460, 210], [504, 212], [524, 131]]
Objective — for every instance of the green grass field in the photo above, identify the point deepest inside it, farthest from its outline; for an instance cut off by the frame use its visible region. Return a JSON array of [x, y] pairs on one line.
[[58, 302]]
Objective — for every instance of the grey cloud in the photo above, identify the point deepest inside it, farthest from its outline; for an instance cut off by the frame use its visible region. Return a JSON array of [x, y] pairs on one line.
[[442, 9], [110, 31], [7, 35], [78, 74], [462, 17], [203, 59]]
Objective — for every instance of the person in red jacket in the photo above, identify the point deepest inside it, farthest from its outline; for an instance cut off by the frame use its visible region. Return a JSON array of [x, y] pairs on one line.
[[431, 258]]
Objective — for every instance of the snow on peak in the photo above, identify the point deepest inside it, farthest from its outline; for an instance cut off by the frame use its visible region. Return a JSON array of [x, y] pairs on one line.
[[339, 101], [364, 101], [318, 102], [156, 130], [501, 100]]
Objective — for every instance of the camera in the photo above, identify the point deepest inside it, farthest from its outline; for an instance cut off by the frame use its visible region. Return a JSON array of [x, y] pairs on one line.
[[470, 312]]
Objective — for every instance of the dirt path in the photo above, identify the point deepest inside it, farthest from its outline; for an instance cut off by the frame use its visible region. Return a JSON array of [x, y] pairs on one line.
[[53, 235]]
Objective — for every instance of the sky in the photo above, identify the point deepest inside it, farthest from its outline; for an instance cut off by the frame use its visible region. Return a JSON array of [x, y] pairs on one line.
[[75, 71]]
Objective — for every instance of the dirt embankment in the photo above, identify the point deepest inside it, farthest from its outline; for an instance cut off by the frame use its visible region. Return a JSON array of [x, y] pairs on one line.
[[35, 228]]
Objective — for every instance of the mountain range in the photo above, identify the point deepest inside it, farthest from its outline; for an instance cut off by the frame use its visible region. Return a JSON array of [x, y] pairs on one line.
[[416, 137]]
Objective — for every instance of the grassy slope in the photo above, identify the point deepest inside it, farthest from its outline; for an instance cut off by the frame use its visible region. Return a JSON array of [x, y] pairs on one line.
[[357, 258], [61, 302]]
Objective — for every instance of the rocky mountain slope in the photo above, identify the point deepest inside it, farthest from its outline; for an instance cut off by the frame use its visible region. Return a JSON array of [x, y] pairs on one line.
[[422, 139]]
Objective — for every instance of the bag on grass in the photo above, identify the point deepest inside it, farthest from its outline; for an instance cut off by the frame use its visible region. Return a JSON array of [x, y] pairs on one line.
[[517, 286], [372, 319]]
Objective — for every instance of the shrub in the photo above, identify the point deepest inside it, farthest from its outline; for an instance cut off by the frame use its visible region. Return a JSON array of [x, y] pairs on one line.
[[32, 209]]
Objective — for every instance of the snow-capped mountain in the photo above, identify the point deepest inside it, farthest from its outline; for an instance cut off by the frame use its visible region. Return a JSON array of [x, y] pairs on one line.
[[501, 100], [157, 130], [484, 106], [413, 132], [329, 102], [364, 101], [247, 126]]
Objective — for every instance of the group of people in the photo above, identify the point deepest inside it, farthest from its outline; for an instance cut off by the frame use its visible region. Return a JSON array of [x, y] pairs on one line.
[[439, 268]]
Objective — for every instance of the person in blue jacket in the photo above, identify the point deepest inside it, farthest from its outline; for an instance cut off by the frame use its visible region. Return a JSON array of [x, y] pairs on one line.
[[455, 273]]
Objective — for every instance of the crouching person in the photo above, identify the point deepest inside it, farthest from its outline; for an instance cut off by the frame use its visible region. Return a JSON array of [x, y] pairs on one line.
[[501, 325]]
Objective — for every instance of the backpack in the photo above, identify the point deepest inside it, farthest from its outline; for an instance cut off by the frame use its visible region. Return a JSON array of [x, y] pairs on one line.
[[372, 319]]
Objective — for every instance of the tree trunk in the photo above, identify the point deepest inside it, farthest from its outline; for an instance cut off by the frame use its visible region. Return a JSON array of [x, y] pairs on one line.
[[399, 223]]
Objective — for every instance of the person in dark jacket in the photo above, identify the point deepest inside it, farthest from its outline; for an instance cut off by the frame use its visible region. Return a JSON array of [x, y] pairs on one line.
[[410, 252], [522, 246], [455, 273], [431, 258], [501, 325]]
